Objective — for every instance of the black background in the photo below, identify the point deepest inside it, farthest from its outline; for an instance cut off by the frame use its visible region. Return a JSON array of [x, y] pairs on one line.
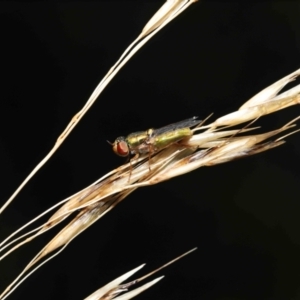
[[243, 216]]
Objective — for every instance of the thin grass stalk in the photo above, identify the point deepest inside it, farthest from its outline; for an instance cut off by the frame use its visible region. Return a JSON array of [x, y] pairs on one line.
[[178, 159], [216, 147], [168, 12]]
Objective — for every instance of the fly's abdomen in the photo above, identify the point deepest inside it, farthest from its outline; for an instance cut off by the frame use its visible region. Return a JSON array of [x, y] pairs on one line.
[[169, 138]]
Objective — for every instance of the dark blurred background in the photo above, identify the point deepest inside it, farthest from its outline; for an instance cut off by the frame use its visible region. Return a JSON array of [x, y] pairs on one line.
[[243, 216]]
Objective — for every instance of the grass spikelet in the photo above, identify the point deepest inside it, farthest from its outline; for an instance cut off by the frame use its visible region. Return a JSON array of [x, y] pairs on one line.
[[114, 288], [211, 147], [211, 144]]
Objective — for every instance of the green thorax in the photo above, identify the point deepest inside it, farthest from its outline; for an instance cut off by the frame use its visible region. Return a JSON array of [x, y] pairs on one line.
[[134, 140]]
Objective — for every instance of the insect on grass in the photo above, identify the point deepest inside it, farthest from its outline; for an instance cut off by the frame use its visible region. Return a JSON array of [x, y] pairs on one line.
[[153, 140]]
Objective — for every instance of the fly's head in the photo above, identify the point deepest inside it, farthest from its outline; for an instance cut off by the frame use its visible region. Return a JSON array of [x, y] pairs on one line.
[[120, 146]]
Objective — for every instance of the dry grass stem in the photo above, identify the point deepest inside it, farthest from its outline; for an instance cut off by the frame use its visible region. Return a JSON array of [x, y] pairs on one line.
[[212, 146], [114, 288], [167, 13]]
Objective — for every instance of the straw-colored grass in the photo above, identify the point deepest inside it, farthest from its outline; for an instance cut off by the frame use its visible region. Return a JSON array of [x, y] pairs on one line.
[[212, 143]]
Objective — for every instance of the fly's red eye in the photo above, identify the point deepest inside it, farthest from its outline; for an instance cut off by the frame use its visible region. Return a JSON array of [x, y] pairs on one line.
[[122, 148]]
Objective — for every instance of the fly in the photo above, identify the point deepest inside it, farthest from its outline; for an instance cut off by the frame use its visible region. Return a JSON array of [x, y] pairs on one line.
[[154, 140]]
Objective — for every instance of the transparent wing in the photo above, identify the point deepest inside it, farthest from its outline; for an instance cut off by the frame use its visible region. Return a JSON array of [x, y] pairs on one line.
[[181, 124]]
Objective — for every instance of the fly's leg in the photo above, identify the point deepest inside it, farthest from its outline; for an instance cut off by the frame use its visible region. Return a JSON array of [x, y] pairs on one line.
[[130, 165], [149, 134], [149, 156], [150, 151]]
